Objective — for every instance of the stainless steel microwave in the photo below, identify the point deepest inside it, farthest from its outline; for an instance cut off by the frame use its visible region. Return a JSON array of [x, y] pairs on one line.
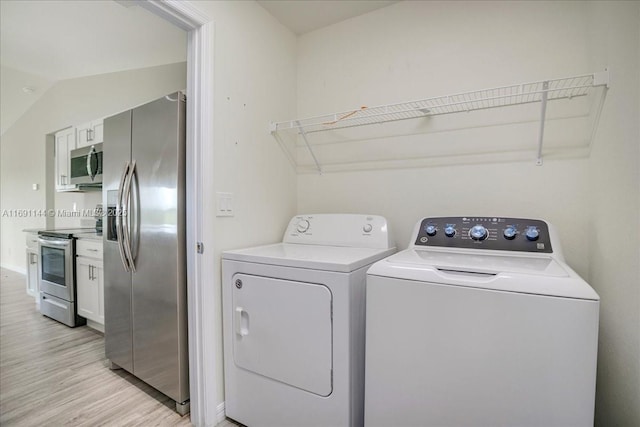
[[86, 165]]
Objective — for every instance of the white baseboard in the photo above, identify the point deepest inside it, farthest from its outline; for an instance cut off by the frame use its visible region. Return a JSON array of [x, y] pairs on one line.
[[220, 415], [20, 270], [95, 325]]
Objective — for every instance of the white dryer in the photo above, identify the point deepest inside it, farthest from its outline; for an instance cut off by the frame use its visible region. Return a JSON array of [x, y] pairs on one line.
[[294, 322], [480, 322]]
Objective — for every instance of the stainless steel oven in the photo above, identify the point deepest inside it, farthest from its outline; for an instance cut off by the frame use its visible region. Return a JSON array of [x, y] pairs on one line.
[[57, 278]]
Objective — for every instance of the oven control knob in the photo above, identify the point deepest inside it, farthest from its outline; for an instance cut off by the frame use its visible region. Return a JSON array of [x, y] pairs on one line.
[[431, 230], [510, 233], [449, 231], [302, 226], [478, 232], [532, 233]]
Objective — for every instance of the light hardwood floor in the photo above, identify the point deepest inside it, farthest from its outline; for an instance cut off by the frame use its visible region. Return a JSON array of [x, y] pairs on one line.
[[52, 375]]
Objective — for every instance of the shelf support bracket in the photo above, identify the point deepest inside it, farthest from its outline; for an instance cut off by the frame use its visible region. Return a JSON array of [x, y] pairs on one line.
[[543, 113], [306, 141]]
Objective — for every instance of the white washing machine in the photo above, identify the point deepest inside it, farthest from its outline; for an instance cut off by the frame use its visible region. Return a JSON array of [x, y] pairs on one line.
[[480, 322], [294, 322]]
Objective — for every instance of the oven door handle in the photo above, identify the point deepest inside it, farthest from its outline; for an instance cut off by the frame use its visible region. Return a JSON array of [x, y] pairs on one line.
[[126, 198], [119, 215], [61, 243]]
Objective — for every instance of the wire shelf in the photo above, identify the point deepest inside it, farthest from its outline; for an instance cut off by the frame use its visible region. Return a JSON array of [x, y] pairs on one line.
[[525, 93]]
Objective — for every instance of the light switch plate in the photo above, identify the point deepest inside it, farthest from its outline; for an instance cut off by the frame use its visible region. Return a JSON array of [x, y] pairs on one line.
[[224, 204]]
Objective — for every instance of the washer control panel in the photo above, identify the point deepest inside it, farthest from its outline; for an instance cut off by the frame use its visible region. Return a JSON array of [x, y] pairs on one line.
[[501, 234]]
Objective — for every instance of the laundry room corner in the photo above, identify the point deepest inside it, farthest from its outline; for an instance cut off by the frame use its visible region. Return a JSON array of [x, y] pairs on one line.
[[614, 219]]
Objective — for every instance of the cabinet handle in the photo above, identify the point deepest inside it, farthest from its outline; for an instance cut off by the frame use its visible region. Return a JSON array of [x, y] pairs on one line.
[[93, 250]]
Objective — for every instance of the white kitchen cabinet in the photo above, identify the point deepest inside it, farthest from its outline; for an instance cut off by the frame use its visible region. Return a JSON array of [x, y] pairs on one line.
[[65, 141], [90, 133], [90, 282], [33, 267]]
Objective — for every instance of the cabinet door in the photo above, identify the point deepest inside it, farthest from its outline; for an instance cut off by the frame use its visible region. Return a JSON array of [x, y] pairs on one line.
[[98, 131], [33, 267], [65, 141], [87, 289], [99, 274], [90, 133], [84, 135], [62, 160]]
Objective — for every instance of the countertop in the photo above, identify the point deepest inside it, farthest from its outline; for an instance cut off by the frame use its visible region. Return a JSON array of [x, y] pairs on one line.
[[33, 230], [88, 235], [82, 233]]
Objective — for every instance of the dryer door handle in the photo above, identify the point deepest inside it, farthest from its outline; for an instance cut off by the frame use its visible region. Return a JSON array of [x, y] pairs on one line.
[[241, 321]]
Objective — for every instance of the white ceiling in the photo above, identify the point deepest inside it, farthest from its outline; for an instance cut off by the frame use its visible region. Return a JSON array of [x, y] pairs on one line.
[[68, 39], [303, 16], [44, 41]]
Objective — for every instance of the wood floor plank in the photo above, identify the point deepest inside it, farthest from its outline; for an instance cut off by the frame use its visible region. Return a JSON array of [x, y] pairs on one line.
[[53, 375]]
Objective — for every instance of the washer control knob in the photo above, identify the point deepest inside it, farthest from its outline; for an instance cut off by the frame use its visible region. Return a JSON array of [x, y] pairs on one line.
[[532, 233], [449, 231], [510, 233], [431, 230], [478, 232], [367, 228], [302, 226]]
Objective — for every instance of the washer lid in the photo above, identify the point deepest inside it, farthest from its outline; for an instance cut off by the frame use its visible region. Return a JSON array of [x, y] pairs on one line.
[[315, 257], [541, 275]]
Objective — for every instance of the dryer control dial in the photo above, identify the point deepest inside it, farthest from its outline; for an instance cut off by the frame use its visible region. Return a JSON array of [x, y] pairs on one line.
[[510, 233], [367, 228], [302, 226], [478, 232], [532, 233], [450, 231]]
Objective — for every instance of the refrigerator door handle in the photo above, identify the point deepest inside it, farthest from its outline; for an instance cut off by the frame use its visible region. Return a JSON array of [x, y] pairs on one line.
[[134, 208], [126, 198], [119, 215]]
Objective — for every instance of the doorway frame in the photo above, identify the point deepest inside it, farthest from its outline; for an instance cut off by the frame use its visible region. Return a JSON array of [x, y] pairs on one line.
[[206, 408]]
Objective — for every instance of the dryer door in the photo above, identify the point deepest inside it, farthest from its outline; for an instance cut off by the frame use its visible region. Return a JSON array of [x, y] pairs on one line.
[[283, 330]]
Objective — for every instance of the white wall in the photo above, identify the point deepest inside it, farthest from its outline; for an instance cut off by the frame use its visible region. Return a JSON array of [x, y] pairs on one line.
[[67, 103], [614, 221], [14, 101], [254, 78], [414, 50]]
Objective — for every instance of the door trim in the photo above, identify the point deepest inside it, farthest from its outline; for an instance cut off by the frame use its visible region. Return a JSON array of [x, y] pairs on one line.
[[203, 347]]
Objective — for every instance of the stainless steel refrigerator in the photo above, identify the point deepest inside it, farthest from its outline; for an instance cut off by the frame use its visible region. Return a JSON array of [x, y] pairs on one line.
[[145, 245]]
